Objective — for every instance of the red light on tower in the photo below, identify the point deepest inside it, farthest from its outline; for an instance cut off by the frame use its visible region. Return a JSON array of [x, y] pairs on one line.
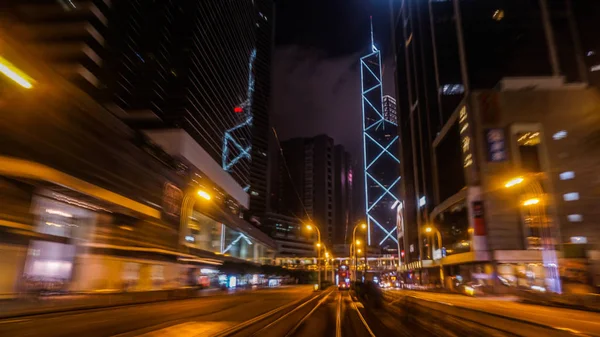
[[238, 109]]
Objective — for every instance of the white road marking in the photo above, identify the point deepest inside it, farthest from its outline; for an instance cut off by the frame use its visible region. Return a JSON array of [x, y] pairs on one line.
[[338, 320], [363, 319]]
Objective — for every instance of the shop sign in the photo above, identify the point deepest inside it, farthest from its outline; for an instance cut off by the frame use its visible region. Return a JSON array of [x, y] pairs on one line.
[[496, 145]]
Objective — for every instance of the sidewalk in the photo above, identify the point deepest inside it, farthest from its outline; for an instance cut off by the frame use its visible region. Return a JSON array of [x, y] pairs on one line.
[[59, 303]]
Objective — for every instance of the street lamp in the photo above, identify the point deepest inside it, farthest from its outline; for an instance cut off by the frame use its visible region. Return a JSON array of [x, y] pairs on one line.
[[203, 194], [532, 201], [310, 228], [549, 256], [430, 229]]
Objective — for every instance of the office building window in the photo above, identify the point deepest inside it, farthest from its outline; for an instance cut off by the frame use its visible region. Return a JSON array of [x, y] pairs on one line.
[[528, 146]]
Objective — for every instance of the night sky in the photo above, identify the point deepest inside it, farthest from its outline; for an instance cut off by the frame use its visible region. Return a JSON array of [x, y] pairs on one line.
[[316, 74]]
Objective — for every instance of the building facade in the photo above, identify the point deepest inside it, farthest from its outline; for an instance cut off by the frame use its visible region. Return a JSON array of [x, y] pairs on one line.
[[71, 37], [104, 206], [462, 67], [318, 187], [168, 65], [343, 186]]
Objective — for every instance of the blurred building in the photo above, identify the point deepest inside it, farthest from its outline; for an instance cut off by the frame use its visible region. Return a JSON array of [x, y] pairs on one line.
[[584, 18], [292, 241], [482, 98], [69, 35], [208, 75], [168, 65], [94, 204], [314, 182], [343, 189]]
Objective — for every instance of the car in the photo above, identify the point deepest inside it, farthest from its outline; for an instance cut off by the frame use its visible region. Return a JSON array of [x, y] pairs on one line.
[[343, 286]]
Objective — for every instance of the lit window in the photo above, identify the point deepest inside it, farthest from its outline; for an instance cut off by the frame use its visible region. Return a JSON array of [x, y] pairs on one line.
[[568, 175], [595, 67], [571, 196], [575, 217], [578, 239], [559, 135], [498, 15], [591, 53], [422, 201], [452, 89], [528, 138]]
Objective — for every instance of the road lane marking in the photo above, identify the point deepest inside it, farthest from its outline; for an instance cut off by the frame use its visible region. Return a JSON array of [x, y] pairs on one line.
[[363, 319], [293, 330], [338, 320]]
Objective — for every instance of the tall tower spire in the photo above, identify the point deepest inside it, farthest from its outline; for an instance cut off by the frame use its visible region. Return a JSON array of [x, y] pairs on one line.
[[372, 38]]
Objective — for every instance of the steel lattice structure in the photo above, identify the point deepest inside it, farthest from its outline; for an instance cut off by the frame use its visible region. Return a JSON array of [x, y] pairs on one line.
[[381, 151], [236, 145]]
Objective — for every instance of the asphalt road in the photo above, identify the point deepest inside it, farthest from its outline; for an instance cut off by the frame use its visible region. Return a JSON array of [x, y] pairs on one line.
[[192, 317], [332, 313], [575, 321]]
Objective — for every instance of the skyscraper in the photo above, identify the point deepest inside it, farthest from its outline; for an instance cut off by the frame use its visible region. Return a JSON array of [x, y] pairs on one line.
[[203, 67], [319, 185], [381, 158]]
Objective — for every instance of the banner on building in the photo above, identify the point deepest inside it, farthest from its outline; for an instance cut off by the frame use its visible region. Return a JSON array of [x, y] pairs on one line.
[[478, 217], [496, 145]]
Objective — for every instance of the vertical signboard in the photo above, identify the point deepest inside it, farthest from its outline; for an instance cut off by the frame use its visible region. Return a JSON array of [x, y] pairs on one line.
[[478, 218], [463, 126], [496, 145]]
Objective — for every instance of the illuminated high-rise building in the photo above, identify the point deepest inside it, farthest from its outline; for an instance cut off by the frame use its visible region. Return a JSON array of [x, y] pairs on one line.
[[381, 157], [203, 67], [389, 109]]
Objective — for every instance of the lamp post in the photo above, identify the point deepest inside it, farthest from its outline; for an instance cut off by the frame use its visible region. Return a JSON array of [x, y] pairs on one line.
[[353, 247], [534, 203], [187, 209], [362, 226], [430, 229], [310, 228]]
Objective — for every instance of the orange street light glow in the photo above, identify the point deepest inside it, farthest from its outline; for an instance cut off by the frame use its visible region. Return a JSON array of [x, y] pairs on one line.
[[204, 194], [14, 73], [533, 201], [428, 229], [513, 182], [363, 226], [358, 242]]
